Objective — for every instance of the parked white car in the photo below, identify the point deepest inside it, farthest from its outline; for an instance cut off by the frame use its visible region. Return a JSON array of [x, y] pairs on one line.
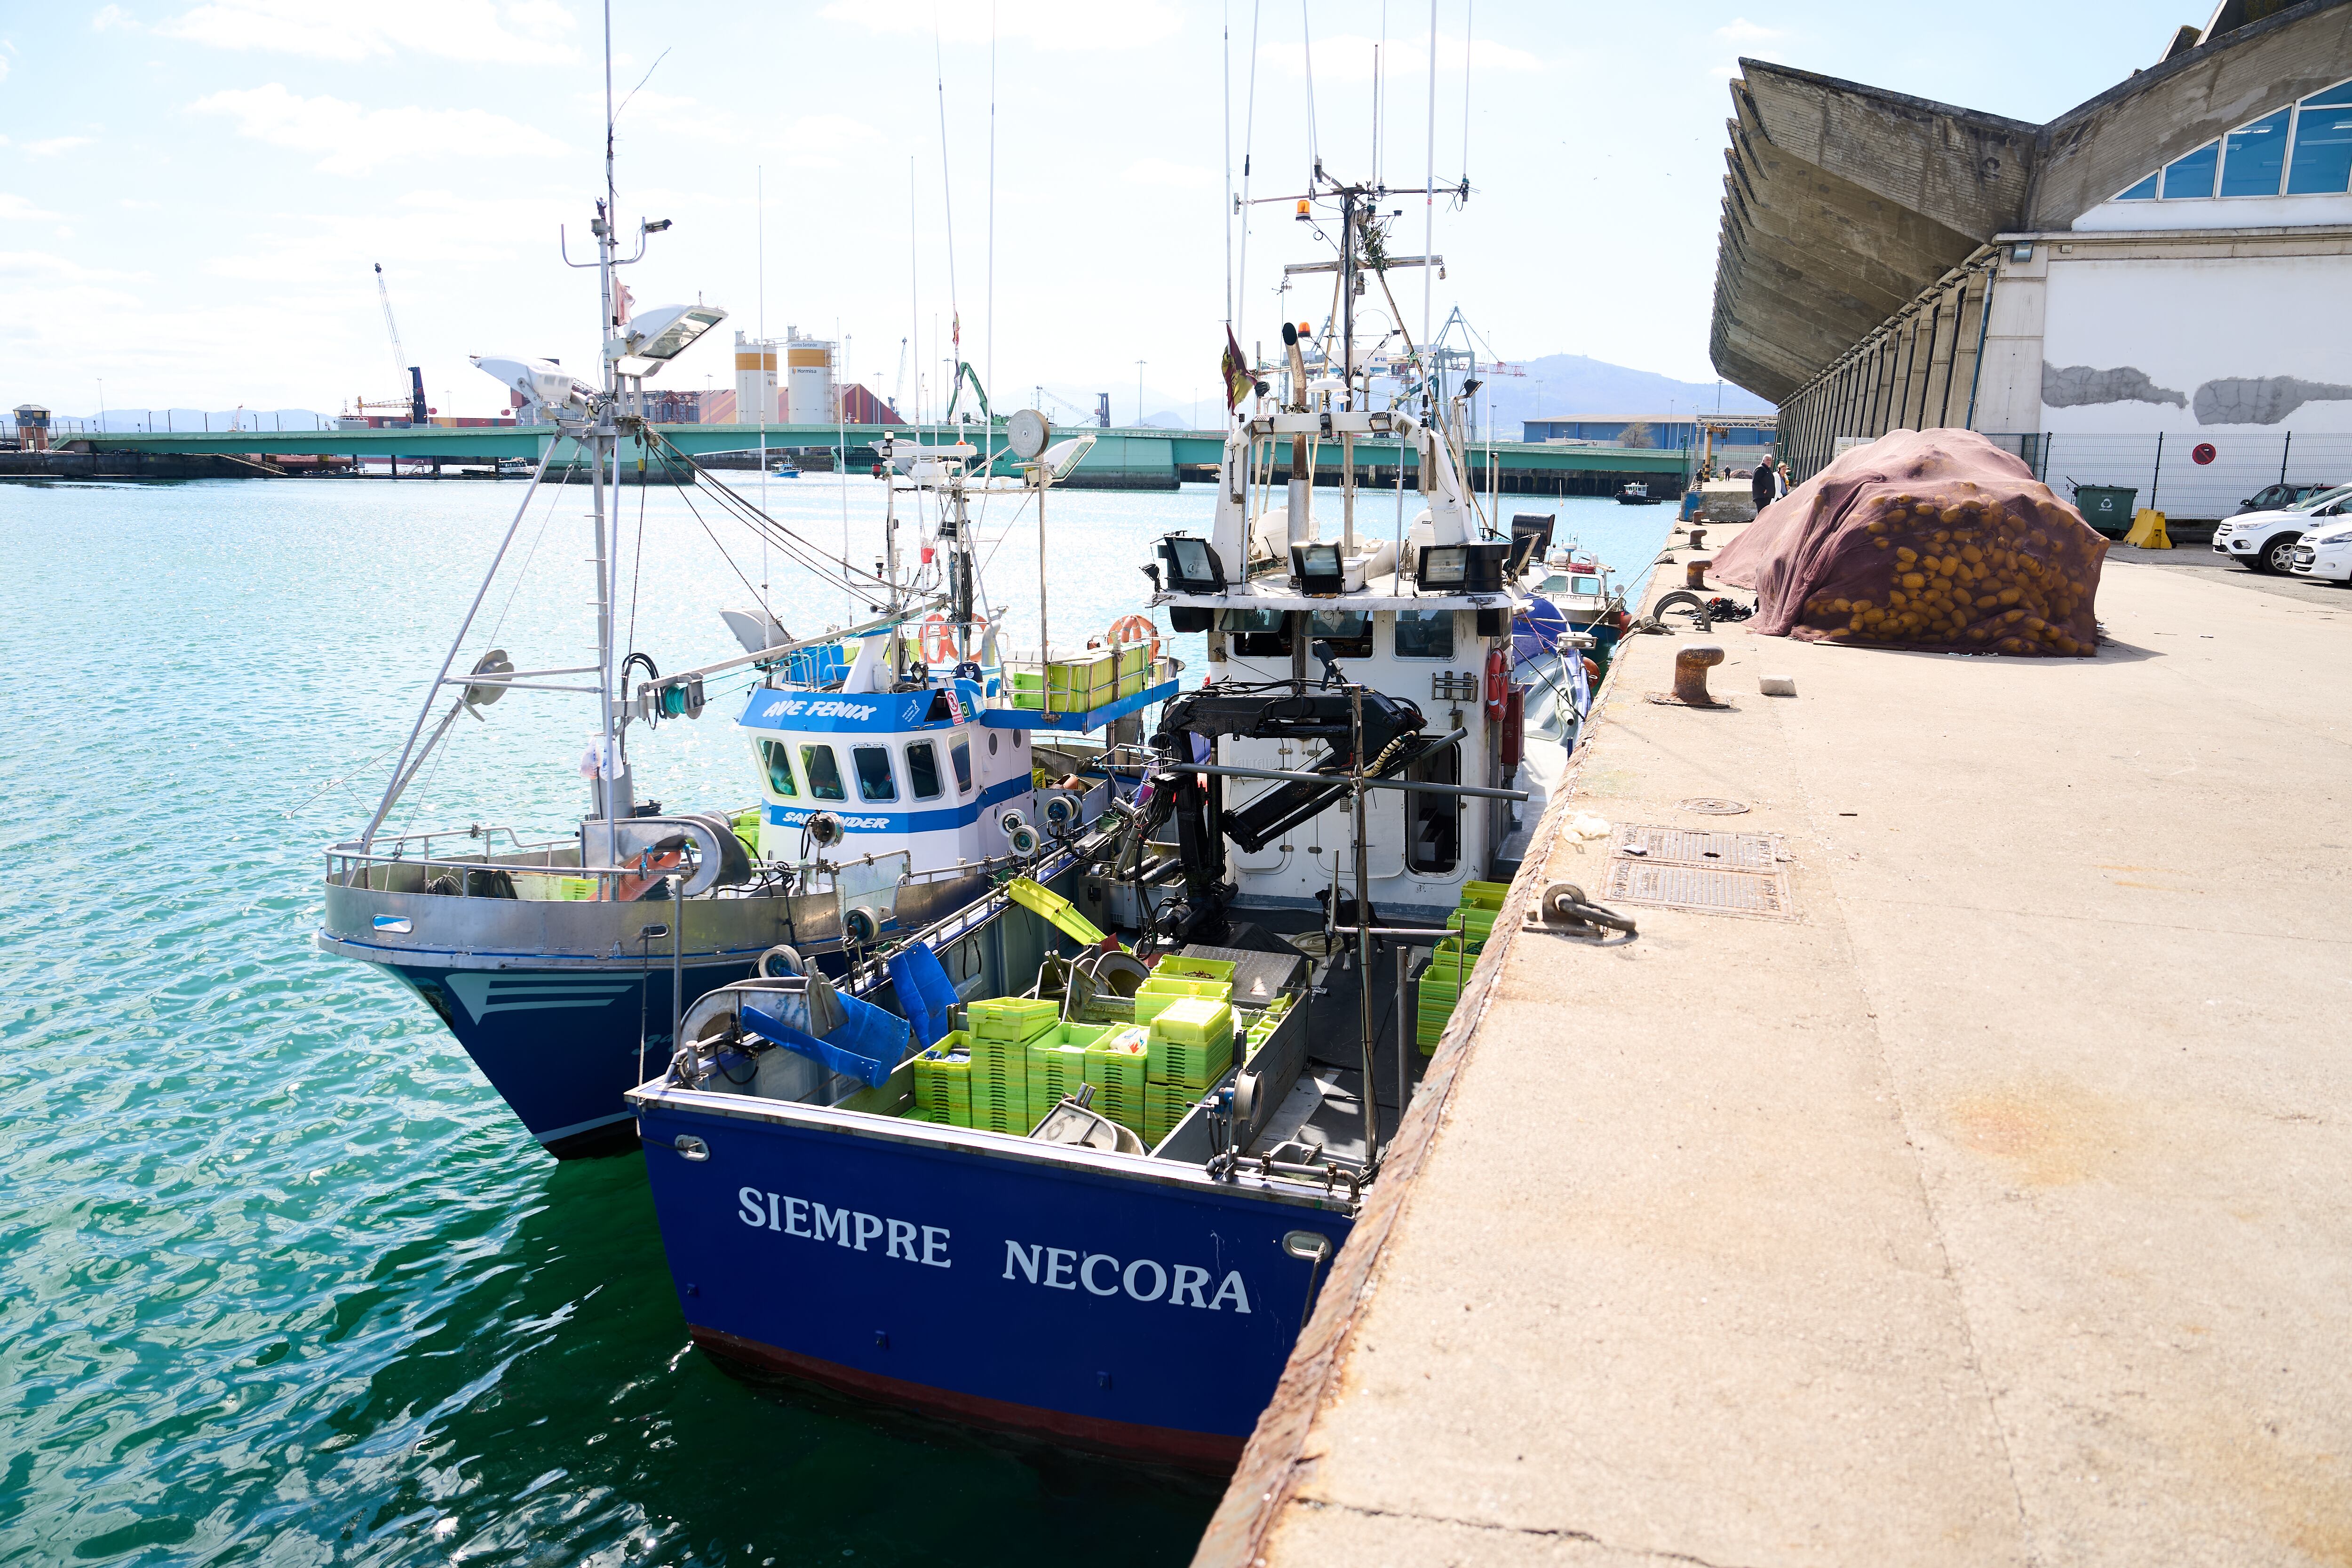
[[2265, 540], [2325, 551]]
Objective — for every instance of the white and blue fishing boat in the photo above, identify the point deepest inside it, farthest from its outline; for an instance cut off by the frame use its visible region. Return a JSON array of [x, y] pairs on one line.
[[1059, 1266], [894, 780]]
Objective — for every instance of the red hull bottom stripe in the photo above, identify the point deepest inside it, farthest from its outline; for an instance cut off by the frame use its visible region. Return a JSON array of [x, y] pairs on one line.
[[1205, 1451]]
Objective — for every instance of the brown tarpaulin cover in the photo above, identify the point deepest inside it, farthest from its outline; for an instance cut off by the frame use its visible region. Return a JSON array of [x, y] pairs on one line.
[[1924, 539]]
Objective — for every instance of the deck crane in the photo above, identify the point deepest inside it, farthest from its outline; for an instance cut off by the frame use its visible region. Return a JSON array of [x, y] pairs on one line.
[[414, 402]]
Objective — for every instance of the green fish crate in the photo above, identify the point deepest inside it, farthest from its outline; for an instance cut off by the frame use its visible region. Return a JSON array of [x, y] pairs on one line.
[[1016, 1018], [1485, 895], [1055, 1070], [1153, 998], [943, 1081], [1002, 1108], [1477, 924], [1178, 966], [1192, 1043], [1164, 1105]]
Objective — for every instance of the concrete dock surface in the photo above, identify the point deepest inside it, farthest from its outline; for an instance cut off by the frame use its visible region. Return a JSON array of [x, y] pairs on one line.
[[1996, 1208]]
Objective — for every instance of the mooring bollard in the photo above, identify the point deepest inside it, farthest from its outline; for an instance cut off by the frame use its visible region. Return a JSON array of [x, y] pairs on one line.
[[1690, 664], [1697, 534], [1695, 572]]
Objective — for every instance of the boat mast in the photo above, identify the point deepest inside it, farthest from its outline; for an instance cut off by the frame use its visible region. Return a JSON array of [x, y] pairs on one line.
[[612, 794]]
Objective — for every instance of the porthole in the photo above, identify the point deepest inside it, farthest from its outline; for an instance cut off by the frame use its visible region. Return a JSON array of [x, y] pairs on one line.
[[992, 742]]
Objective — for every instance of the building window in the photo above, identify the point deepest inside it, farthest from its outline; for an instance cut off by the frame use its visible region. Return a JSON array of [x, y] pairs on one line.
[[2323, 144], [823, 772], [923, 771], [960, 753], [779, 760], [2192, 175], [2254, 157], [1350, 632], [1424, 633], [2142, 192], [873, 766]]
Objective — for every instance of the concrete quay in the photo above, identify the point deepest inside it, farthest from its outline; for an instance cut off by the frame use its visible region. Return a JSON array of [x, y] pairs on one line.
[[1996, 1208]]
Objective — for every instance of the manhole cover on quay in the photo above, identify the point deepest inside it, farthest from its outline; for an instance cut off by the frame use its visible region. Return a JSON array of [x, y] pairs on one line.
[[1709, 873], [1696, 847], [1713, 805]]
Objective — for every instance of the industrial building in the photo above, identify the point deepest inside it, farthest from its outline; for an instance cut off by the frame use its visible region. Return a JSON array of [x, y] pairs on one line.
[[2147, 291], [1745, 434]]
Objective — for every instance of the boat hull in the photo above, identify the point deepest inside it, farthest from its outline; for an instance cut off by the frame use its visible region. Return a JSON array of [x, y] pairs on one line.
[[1124, 1306]]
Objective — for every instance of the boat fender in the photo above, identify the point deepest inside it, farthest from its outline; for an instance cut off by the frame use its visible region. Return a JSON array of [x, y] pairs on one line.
[[1515, 730], [1592, 669], [1498, 684]]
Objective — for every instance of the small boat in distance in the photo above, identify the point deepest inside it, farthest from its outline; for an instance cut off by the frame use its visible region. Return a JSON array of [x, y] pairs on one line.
[[1636, 492]]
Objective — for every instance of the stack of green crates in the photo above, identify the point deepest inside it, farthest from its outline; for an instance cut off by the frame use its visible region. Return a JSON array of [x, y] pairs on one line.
[[1028, 689], [1001, 1031], [1118, 1065], [1057, 1064], [1164, 1105], [1260, 1025], [1191, 1042], [943, 1081], [1134, 668], [1441, 988], [1075, 685]]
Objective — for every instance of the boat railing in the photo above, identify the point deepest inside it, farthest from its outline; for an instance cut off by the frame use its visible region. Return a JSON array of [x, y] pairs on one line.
[[401, 869]]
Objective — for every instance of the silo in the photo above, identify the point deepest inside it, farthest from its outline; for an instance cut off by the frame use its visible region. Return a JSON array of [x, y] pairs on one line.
[[808, 379], [755, 380]]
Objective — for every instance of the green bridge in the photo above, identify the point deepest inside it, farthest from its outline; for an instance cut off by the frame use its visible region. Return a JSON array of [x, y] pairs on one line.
[[1139, 456]]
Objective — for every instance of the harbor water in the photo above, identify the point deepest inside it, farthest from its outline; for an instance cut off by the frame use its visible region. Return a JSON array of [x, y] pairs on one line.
[[280, 1279]]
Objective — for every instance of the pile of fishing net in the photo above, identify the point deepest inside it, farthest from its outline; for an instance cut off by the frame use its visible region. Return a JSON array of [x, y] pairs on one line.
[[1934, 540]]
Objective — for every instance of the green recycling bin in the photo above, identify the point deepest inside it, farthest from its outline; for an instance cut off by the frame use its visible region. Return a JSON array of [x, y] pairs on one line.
[[2107, 507]]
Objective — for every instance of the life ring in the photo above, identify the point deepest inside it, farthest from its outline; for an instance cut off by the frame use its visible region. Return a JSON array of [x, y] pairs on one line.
[[939, 639], [1499, 683], [1135, 628]]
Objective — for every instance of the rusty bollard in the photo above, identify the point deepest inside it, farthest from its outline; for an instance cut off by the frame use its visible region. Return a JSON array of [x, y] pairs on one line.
[[1694, 574], [1690, 664], [1699, 534]]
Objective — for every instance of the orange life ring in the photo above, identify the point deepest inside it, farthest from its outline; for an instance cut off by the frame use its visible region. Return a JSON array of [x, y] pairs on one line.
[[1135, 628], [940, 640], [1498, 684]]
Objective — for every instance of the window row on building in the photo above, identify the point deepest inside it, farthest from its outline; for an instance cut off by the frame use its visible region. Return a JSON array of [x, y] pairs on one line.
[[2305, 148]]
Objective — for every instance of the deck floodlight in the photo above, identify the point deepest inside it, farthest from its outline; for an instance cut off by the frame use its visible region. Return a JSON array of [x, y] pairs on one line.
[[1318, 570], [539, 380], [1462, 568], [1193, 566], [651, 339]]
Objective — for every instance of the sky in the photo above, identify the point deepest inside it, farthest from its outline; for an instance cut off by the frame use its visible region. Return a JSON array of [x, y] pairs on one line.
[[193, 195]]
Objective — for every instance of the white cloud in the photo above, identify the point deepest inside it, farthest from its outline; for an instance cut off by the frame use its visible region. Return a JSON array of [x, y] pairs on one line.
[[18, 208], [43, 265], [355, 140], [1057, 25], [1160, 171], [50, 147], [110, 19], [1347, 57], [521, 32], [3, 69], [1740, 30]]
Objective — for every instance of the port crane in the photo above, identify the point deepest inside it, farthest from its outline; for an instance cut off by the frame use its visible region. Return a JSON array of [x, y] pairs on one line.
[[413, 403]]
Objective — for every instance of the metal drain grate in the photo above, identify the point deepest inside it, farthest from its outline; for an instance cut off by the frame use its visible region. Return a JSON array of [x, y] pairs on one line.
[[1689, 847], [1702, 889]]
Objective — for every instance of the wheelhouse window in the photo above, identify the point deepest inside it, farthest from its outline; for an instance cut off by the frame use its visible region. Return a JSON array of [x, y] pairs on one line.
[[1433, 821], [1350, 632], [1584, 584], [778, 758], [823, 772], [1258, 633], [960, 753], [923, 771], [874, 780], [1424, 633]]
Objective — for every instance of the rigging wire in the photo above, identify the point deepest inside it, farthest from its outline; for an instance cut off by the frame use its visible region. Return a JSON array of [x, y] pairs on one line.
[[1225, 59], [1314, 155], [947, 189], [1249, 135], [1429, 218]]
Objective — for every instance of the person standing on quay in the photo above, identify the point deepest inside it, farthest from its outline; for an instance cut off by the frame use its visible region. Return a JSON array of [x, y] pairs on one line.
[[1762, 486]]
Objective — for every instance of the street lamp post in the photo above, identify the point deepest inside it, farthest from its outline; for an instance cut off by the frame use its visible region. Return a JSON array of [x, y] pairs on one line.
[[1138, 393]]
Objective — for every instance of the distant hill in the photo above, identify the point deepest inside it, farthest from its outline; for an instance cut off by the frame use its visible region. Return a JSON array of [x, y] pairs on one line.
[[1558, 385]]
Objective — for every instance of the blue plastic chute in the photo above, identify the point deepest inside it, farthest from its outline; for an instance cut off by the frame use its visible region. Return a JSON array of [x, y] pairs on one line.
[[926, 994], [868, 1047]]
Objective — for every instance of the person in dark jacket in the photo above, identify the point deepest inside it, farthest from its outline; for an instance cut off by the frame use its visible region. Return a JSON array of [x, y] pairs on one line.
[[1761, 486]]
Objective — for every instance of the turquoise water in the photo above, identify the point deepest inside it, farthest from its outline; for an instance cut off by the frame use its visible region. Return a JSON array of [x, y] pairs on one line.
[[280, 1280]]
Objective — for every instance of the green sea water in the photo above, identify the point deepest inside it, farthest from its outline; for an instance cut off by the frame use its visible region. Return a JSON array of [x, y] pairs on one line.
[[281, 1281]]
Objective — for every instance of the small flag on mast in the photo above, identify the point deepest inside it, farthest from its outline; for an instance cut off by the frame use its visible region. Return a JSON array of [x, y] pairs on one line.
[[1239, 383]]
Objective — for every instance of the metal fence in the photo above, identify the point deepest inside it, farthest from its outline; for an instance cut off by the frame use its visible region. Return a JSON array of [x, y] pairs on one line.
[[178, 421], [2188, 478]]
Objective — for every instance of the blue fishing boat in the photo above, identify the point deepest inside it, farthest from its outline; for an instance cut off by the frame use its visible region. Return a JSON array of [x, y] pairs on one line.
[[1081, 1181]]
